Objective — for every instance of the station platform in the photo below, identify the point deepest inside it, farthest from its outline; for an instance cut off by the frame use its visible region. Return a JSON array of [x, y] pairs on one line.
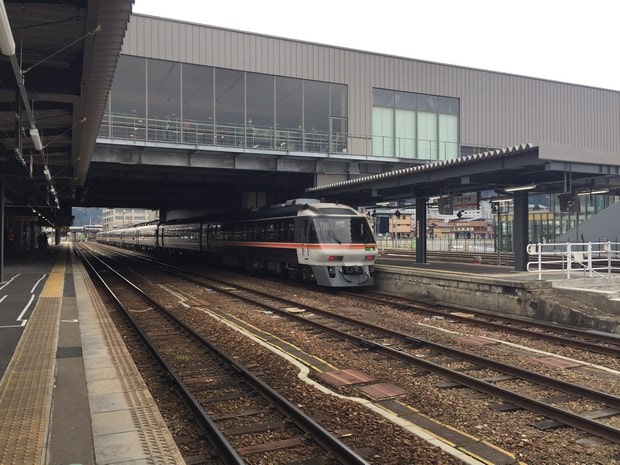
[[69, 393], [578, 300]]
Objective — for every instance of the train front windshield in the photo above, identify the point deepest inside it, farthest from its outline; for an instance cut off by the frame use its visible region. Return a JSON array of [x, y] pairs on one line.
[[344, 230]]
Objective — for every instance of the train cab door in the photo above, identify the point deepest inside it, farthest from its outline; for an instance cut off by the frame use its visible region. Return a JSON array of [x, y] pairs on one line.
[[305, 239]]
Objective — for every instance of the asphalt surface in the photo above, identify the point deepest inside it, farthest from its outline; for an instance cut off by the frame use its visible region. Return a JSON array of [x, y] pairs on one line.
[[24, 277]]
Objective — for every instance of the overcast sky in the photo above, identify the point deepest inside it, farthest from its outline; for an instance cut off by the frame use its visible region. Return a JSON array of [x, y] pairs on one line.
[[563, 40]]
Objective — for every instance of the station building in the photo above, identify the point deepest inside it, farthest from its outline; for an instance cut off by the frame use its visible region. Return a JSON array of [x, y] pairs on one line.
[[211, 86], [314, 114]]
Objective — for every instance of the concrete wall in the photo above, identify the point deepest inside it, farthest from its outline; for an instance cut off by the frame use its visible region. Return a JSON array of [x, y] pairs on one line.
[[533, 299], [481, 292]]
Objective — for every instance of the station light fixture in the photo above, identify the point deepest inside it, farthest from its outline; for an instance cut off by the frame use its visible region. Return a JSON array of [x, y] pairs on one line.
[[7, 42], [599, 191], [47, 174], [529, 187], [36, 139]]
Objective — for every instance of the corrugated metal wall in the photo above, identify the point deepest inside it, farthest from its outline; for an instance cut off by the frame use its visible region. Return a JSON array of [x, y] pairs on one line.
[[497, 109]]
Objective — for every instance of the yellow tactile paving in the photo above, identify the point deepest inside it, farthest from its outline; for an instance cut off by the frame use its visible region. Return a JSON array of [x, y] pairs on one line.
[[54, 284], [26, 389]]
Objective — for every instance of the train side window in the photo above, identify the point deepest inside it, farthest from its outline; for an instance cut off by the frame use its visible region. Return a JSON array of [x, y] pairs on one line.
[[313, 238], [212, 231], [260, 231], [288, 230], [273, 231], [249, 232]]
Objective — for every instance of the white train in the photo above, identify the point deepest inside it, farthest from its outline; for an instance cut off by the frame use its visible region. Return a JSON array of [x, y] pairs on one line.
[[329, 243]]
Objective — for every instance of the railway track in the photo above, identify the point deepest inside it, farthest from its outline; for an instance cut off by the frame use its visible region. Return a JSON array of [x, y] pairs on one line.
[[436, 358], [607, 344], [243, 416]]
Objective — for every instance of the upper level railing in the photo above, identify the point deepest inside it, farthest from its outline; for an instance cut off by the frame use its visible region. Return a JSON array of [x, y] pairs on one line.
[[173, 130], [586, 259], [257, 137]]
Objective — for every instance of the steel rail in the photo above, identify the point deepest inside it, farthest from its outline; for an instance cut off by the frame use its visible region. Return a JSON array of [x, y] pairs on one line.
[[549, 411], [303, 421], [409, 304], [226, 451]]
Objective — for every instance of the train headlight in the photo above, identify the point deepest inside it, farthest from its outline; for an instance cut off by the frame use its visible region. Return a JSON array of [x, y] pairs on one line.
[[369, 258], [332, 271]]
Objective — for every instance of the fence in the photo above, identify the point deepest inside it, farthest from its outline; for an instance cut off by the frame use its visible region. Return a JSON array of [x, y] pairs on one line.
[[445, 244], [589, 259]]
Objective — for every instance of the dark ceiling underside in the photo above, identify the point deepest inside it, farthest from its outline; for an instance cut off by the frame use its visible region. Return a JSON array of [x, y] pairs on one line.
[[66, 54], [123, 186]]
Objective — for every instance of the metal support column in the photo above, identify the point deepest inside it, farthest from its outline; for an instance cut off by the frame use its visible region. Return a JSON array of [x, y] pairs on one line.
[[420, 229], [520, 230]]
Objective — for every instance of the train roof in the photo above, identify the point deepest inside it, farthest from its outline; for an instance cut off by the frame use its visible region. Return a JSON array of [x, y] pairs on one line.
[[289, 208]]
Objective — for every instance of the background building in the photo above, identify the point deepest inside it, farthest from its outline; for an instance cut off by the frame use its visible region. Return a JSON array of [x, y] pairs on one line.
[[113, 218]]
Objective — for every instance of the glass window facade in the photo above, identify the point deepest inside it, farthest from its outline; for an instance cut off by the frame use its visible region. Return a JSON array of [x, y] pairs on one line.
[[338, 100], [316, 120], [448, 136], [383, 131], [418, 126], [260, 111], [164, 101], [404, 133], [288, 113], [128, 98], [229, 107], [198, 109]]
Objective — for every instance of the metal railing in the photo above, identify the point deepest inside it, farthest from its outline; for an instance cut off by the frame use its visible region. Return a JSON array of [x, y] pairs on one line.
[[252, 136], [173, 130], [589, 259]]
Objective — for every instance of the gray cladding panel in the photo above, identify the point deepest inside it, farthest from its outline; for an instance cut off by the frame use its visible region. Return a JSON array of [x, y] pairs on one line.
[[496, 109]]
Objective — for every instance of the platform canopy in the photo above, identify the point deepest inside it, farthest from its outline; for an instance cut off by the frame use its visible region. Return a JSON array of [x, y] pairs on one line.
[[54, 84], [542, 168], [514, 172]]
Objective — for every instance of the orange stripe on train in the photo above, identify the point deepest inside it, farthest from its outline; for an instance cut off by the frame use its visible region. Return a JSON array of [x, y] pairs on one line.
[[296, 245]]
